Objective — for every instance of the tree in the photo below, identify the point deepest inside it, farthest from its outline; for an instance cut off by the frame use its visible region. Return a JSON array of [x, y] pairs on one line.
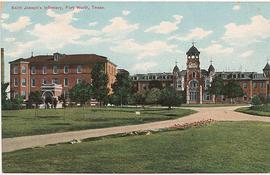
[[153, 96], [4, 97], [63, 98], [80, 93], [35, 97], [217, 87], [122, 88], [99, 82], [155, 84], [256, 101], [139, 98], [233, 89], [170, 98]]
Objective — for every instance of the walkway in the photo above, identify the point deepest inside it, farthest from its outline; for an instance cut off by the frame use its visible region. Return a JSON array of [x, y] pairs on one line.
[[216, 113]]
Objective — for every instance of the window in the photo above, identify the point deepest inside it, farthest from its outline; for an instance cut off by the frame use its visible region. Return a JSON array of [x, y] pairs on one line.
[[207, 83], [16, 94], [193, 74], [245, 85], [206, 96], [33, 82], [65, 82], [24, 82], [254, 95], [245, 97], [16, 69], [66, 93], [193, 84], [254, 85], [16, 82], [179, 84], [55, 81], [23, 70], [44, 70], [33, 70], [55, 69], [79, 80], [66, 69], [79, 69], [262, 85], [193, 95], [23, 94], [144, 86], [44, 81]]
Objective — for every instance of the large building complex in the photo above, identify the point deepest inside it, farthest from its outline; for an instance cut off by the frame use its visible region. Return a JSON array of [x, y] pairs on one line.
[[193, 83], [54, 74]]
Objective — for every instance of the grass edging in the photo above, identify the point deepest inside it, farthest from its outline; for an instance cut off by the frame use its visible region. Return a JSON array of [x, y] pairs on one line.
[[248, 110]]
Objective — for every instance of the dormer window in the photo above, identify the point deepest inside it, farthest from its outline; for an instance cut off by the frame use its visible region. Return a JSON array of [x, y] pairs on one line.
[[56, 56]]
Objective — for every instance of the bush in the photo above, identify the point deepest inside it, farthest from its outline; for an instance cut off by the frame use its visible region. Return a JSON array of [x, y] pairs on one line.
[[256, 101]]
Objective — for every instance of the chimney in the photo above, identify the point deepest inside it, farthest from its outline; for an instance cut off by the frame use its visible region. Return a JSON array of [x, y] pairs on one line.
[[2, 66]]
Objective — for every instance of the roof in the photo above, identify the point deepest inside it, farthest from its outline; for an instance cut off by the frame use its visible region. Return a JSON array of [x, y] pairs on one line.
[[122, 70], [211, 68], [192, 51], [176, 69], [241, 75], [267, 67], [64, 59]]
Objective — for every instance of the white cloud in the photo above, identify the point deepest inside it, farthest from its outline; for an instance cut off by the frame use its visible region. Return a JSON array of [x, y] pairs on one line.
[[119, 26], [21, 23], [166, 27], [54, 35], [5, 16], [153, 48], [9, 39], [125, 12], [247, 53], [197, 34], [144, 66], [217, 49], [92, 24], [242, 35], [236, 7]]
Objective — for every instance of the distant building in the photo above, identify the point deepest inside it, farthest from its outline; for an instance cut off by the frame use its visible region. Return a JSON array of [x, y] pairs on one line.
[[193, 83], [54, 74]]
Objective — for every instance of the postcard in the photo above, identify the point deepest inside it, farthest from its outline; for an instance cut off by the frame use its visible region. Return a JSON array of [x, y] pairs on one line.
[[135, 87]]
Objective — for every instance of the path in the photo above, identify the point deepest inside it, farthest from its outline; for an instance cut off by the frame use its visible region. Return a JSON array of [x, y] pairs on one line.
[[216, 113]]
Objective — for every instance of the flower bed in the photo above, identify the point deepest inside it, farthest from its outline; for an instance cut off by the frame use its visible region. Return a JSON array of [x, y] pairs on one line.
[[188, 125]]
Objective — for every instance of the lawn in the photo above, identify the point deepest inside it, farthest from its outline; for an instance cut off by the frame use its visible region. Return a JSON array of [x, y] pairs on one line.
[[222, 147], [248, 110], [32, 122], [211, 105]]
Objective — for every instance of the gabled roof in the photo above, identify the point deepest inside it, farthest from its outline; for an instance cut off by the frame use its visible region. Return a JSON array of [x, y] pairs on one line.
[[267, 67], [192, 51], [176, 69], [211, 68]]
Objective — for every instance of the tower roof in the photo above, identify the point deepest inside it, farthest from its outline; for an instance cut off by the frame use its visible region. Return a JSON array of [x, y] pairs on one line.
[[211, 68], [176, 69], [192, 51], [267, 67]]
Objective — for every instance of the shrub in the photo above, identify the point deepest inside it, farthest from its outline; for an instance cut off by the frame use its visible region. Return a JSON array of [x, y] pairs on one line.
[[256, 101]]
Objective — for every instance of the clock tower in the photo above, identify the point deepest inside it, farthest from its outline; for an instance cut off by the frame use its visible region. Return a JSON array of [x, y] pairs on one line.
[[194, 84]]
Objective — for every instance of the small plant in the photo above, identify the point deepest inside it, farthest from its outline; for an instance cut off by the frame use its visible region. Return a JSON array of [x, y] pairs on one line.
[[256, 101]]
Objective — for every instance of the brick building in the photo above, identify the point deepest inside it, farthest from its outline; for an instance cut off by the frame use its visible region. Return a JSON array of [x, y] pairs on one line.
[[193, 83], [54, 74]]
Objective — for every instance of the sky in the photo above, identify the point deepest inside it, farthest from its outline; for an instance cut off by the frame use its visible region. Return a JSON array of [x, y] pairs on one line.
[[141, 37]]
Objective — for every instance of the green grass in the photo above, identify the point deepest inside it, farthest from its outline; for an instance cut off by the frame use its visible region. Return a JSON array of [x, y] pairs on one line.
[[248, 110], [231, 147], [33, 122], [211, 105]]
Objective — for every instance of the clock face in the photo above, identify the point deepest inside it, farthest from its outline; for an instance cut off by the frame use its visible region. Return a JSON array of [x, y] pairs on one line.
[[192, 65]]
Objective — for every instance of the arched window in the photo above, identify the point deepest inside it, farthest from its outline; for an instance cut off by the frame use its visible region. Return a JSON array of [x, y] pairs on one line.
[[193, 74], [179, 84], [207, 83], [193, 84]]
